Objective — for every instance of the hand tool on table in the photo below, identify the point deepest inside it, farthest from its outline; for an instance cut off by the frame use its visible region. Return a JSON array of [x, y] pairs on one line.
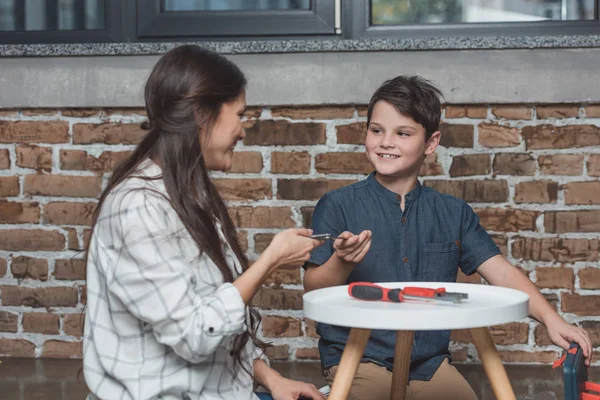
[[372, 292]]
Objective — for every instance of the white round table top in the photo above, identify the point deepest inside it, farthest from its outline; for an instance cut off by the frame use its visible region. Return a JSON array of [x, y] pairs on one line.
[[486, 306]]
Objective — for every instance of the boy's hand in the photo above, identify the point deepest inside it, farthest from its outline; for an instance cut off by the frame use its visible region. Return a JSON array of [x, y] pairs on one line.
[[562, 334], [352, 248]]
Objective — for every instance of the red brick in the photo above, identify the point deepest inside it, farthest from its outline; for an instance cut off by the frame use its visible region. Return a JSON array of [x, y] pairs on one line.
[[555, 278], [80, 112], [593, 329], [35, 157], [86, 237], [557, 111], [555, 249], [459, 355], [8, 322], [470, 164], [3, 267], [354, 133], [592, 111], [279, 299], [262, 241], [26, 267], [79, 160], [541, 336], [560, 137], [454, 135], [582, 193], [311, 328], [536, 192], [9, 113], [514, 164], [4, 159], [473, 278], [282, 133], [244, 189], [307, 213], [343, 163], [584, 306], [323, 112], [589, 278], [73, 324], [305, 189], [512, 112], [59, 349], [561, 164], [9, 186], [242, 237], [294, 162], [494, 135], [507, 219], [253, 112], [34, 112], [34, 132], [552, 299], [48, 324], [39, 297], [262, 217], [69, 213], [108, 133], [593, 165], [70, 269], [430, 167], [62, 185], [16, 348], [276, 326], [83, 297], [511, 333], [250, 162], [462, 111], [12, 212], [284, 276], [572, 221], [31, 240], [484, 191], [125, 111], [546, 357], [278, 352], [362, 110], [308, 353]]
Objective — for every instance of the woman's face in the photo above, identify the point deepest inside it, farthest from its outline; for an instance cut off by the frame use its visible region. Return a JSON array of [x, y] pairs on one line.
[[217, 148]]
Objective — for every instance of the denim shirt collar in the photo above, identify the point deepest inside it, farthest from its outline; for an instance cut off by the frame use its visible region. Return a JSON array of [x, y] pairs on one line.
[[384, 192]]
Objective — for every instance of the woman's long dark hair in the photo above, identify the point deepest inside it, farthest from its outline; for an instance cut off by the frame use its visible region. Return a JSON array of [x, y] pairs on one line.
[[184, 94]]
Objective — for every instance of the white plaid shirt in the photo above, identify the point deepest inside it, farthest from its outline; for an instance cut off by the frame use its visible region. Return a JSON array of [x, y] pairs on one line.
[[160, 320]]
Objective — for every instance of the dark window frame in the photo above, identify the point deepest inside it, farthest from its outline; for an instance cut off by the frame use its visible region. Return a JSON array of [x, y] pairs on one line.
[[112, 32], [357, 26], [155, 23]]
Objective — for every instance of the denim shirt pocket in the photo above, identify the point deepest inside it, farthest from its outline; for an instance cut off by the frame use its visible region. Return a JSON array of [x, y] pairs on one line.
[[440, 262]]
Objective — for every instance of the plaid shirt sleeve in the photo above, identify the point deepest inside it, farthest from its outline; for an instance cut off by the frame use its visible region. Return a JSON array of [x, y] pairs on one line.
[[154, 281]]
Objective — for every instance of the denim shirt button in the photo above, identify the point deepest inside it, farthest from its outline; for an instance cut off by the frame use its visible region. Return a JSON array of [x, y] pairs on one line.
[[405, 259], [403, 220]]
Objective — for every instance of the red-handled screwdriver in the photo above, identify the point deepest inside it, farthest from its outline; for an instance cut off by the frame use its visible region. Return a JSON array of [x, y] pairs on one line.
[[372, 292]]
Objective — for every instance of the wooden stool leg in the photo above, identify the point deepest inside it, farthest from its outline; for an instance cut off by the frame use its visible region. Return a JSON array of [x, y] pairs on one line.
[[349, 363], [404, 343], [492, 364]]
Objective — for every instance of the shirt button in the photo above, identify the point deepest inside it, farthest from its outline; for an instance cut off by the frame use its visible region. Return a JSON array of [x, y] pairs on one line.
[[403, 220], [405, 259], [398, 197]]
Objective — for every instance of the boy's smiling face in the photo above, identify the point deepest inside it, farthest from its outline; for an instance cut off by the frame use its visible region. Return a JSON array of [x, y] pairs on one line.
[[395, 143]]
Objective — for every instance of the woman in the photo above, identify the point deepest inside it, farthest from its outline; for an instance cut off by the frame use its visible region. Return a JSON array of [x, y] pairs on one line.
[[168, 285]]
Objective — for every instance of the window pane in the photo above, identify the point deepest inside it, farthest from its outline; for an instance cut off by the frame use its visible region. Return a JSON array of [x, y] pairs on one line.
[[234, 5], [398, 12], [51, 15]]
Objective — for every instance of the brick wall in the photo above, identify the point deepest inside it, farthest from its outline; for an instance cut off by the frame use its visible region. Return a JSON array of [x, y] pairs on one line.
[[530, 172]]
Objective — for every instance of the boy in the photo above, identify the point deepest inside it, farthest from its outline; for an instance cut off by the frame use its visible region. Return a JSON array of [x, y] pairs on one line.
[[418, 234]]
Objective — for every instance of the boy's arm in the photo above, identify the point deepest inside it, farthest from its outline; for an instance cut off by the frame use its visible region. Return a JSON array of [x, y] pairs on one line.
[[499, 272], [337, 268]]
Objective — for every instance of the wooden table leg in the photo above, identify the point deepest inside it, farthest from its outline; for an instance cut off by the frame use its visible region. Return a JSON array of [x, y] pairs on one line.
[[403, 351], [349, 363], [492, 364]]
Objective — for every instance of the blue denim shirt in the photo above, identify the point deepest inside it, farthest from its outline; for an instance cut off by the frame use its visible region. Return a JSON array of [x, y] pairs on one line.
[[434, 235]]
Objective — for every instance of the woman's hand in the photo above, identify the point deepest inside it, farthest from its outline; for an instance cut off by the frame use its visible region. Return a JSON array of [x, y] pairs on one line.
[[562, 334], [287, 389], [352, 248], [291, 247]]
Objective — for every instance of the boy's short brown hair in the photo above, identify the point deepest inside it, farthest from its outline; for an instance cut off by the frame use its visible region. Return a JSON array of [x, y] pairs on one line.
[[413, 97]]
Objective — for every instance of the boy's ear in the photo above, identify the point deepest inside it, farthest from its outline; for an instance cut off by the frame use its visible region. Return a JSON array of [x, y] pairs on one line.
[[433, 142]]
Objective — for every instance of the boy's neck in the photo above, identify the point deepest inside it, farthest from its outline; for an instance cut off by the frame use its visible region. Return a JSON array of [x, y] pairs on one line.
[[398, 185]]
